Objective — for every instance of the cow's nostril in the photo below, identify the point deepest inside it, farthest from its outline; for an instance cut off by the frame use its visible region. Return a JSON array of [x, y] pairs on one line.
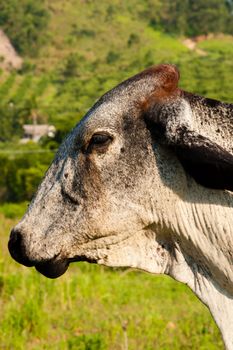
[[17, 249], [66, 175], [15, 237], [15, 241]]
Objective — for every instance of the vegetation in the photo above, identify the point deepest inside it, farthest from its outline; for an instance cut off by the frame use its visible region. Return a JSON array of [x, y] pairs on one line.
[[95, 308], [196, 17], [22, 171], [24, 24]]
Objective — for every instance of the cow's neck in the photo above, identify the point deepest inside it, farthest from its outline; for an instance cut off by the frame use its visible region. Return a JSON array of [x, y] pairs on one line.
[[203, 257], [219, 302]]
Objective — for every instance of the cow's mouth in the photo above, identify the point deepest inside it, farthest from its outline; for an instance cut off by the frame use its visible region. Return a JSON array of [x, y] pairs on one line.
[[52, 268], [55, 268]]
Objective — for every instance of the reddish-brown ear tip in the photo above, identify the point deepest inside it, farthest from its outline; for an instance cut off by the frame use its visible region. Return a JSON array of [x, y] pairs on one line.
[[168, 76]]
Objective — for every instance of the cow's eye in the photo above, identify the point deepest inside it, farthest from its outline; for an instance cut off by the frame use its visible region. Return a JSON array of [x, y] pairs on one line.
[[99, 142], [100, 139]]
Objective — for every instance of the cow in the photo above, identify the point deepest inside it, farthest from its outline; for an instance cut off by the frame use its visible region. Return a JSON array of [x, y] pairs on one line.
[[143, 181]]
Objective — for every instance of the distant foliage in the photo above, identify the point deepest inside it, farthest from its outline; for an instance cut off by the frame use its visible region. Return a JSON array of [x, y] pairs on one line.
[[17, 112], [87, 342], [71, 66], [112, 57], [11, 211], [22, 172], [195, 17], [11, 123], [133, 39], [25, 23]]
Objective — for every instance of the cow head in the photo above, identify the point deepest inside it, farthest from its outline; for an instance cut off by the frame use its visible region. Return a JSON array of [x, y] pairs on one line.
[[110, 195], [105, 188]]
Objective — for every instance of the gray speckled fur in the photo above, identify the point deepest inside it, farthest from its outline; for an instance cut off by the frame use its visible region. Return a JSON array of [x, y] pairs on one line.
[[134, 204]]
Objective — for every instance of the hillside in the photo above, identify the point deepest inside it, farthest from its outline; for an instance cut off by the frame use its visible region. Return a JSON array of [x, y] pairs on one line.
[[8, 56], [92, 46]]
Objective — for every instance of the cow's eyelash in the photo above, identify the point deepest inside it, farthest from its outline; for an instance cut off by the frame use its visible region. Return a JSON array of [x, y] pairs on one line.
[[99, 141]]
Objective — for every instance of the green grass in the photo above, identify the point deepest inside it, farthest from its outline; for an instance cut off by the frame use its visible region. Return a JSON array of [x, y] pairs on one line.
[[95, 308]]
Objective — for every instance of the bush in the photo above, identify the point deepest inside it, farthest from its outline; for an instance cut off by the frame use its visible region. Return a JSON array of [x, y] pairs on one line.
[[112, 57], [13, 210], [87, 342], [11, 123], [22, 172], [71, 66], [133, 39]]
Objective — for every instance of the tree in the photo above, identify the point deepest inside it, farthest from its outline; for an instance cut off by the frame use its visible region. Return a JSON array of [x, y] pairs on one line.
[[207, 16], [71, 66], [24, 23], [11, 124], [196, 17]]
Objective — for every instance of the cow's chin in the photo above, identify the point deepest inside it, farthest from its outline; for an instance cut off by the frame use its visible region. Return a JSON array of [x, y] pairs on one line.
[[53, 268]]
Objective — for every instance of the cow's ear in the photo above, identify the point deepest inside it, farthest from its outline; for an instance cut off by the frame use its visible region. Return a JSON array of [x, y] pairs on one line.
[[207, 162], [169, 117]]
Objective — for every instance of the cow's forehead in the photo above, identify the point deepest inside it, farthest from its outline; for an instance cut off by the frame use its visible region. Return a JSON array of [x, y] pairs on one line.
[[112, 106], [106, 116]]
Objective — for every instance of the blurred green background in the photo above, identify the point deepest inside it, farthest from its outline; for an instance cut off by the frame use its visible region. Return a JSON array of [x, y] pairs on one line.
[[66, 54]]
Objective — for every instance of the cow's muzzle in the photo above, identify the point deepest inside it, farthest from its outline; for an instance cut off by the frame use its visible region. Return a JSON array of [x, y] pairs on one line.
[[51, 268]]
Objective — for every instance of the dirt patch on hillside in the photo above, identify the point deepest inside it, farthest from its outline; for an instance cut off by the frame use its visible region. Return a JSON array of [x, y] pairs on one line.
[[9, 59], [191, 44]]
